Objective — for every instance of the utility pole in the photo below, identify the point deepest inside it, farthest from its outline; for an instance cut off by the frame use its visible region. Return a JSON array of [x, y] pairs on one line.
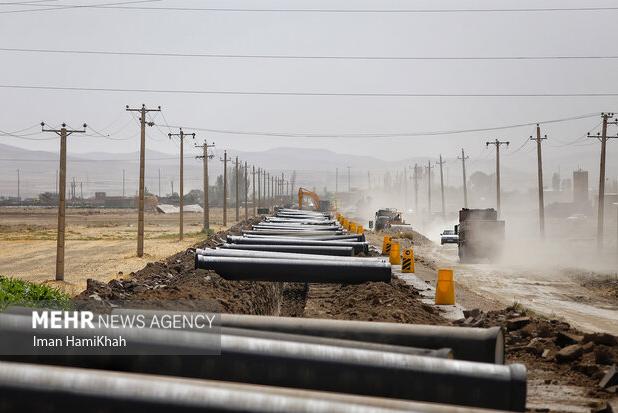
[[253, 188], [123, 183], [18, 188], [205, 157], [428, 167], [349, 186], [237, 192], [416, 189], [405, 189], [224, 160], [368, 181], [159, 183], [441, 162], [336, 181], [465, 185], [63, 133], [601, 201], [81, 190], [246, 191], [539, 157], [142, 171], [259, 188], [497, 143], [181, 135], [56, 182]]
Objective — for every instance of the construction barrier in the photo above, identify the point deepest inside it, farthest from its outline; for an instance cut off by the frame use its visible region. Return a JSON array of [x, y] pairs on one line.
[[395, 253], [407, 264], [445, 288], [386, 245]]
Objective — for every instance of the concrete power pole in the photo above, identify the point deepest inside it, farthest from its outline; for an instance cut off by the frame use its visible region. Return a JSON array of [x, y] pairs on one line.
[[497, 143], [224, 160], [253, 188], [181, 135], [601, 201], [18, 187], [428, 167], [63, 133], [246, 175], [416, 189], [237, 175], [465, 184], [142, 171], [205, 157], [259, 188], [539, 158], [159, 182], [441, 163], [123, 183], [349, 185]]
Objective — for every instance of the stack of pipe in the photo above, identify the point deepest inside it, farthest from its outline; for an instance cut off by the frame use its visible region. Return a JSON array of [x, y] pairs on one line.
[[364, 359], [295, 246]]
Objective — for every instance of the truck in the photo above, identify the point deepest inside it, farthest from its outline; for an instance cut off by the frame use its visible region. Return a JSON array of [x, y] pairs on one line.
[[481, 235]]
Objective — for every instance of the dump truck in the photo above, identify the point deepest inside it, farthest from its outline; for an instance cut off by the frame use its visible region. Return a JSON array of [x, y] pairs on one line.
[[386, 218], [481, 235]]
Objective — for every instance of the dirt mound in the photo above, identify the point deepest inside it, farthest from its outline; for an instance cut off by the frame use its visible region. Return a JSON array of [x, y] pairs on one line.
[[371, 301], [553, 351], [171, 283]]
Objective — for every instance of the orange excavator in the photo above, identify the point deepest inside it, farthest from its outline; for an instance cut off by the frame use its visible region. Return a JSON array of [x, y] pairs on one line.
[[314, 197]]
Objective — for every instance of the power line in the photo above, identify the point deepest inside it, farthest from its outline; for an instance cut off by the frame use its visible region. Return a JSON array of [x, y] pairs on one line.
[[300, 57], [119, 6], [71, 6], [314, 94]]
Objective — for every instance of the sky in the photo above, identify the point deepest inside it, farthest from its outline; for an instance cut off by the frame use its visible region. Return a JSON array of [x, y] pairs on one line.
[[380, 33]]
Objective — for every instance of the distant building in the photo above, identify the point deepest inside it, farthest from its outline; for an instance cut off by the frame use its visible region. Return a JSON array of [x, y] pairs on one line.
[[580, 189]]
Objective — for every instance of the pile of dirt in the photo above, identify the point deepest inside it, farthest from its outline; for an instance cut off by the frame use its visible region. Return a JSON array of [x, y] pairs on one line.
[[553, 351], [175, 283], [371, 301]]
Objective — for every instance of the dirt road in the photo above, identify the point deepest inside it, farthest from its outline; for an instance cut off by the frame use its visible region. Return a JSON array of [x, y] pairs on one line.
[[553, 291]]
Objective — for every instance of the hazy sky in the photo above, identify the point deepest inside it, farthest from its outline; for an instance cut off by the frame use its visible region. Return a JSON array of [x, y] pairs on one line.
[[465, 34]]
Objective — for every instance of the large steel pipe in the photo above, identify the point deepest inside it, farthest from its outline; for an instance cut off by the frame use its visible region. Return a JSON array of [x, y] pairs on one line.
[[287, 270], [221, 252], [311, 366], [472, 344], [31, 387], [297, 249], [313, 236], [358, 246]]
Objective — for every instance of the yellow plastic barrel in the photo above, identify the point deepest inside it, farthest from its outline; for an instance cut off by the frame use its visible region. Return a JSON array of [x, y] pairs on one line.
[[395, 254], [352, 227], [445, 287], [359, 229]]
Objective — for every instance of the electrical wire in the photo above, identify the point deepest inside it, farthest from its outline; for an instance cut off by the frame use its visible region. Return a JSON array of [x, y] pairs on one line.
[[301, 57], [345, 11], [72, 6], [313, 94]]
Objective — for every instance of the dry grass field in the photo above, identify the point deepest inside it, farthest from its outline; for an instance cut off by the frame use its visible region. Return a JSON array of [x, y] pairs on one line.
[[100, 243]]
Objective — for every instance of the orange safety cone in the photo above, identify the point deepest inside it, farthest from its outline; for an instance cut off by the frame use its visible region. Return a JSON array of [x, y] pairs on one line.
[[445, 288], [395, 254], [407, 264], [386, 245], [359, 229]]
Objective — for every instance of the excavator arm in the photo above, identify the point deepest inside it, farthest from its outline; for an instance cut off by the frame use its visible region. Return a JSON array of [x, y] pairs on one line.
[[316, 199]]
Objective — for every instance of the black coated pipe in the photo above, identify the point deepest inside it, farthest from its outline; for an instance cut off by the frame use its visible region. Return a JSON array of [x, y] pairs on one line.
[[297, 249], [473, 344], [337, 237], [287, 270], [306, 366], [31, 387], [221, 252], [358, 246]]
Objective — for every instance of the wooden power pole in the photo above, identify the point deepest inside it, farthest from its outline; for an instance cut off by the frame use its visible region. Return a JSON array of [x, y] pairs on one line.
[[142, 171], [497, 143], [181, 135], [465, 184], [63, 133], [539, 158], [205, 157], [415, 176], [428, 167], [246, 176], [601, 201], [441, 163], [253, 188], [237, 175]]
